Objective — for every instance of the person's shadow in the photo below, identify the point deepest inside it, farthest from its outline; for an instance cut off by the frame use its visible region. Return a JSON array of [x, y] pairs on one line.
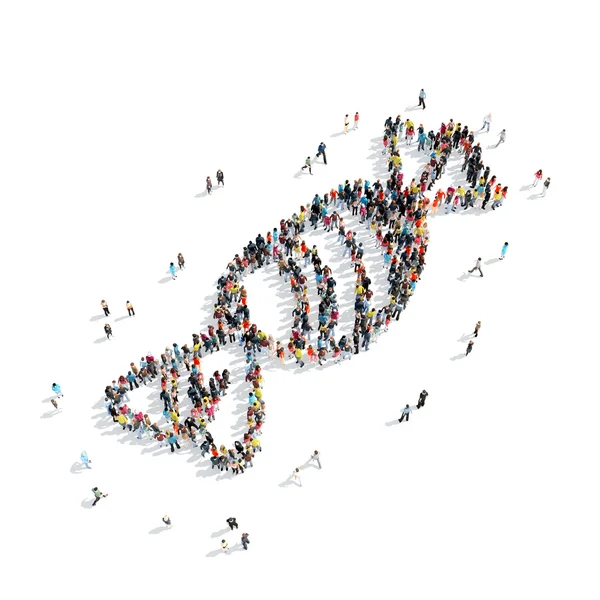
[[157, 530], [78, 467], [165, 279], [390, 423], [214, 553], [49, 414], [464, 277], [491, 261], [458, 356], [87, 503], [220, 533]]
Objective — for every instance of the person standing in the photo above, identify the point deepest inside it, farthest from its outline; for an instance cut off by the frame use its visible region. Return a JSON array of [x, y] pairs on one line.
[[167, 521], [469, 347], [130, 310], [422, 397], [504, 251], [502, 139], [56, 389], [98, 495], [54, 403], [316, 457], [104, 306], [477, 267], [546, 186], [422, 96], [208, 185], [346, 123], [405, 414], [537, 177], [321, 150], [224, 545], [486, 122], [307, 165], [181, 261], [232, 523], [296, 476], [220, 178], [356, 119], [477, 328], [299, 354], [85, 459], [245, 541], [108, 331], [172, 270], [172, 439]]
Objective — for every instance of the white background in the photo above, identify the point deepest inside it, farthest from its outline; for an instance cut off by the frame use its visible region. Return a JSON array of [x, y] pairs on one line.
[[112, 116]]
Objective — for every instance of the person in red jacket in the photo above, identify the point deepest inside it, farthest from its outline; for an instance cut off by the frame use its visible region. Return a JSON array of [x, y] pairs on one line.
[[537, 177], [356, 120]]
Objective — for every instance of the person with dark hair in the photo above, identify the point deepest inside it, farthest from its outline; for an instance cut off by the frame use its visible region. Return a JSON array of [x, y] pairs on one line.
[[503, 251], [502, 139], [181, 261], [537, 177], [422, 96], [405, 413], [346, 123], [98, 495], [307, 165], [130, 310], [477, 328], [104, 306], [469, 347], [422, 397], [321, 150], [220, 178], [546, 186], [208, 185], [108, 331], [477, 267], [316, 457], [245, 541], [232, 523]]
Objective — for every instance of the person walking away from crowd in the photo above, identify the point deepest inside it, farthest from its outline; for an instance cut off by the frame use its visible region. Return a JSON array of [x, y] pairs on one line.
[[208, 185], [296, 476], [167, 521], [477, 267], [487, 120], [502, 139], [422, 96], [356, 119], [307, 165], [546, 186], [537, 178], [232, 522], [104, 306], [477, 328], [130, 310], [469, 347], [220, 178], [504, 251], [245, 541], [422, 397], [224, 545], [98, 495], [108, 331], [85, 459], [405, 414], [316, 457], [346, 123], [172, 271], [181, 261], [57, 390], [321, 150]]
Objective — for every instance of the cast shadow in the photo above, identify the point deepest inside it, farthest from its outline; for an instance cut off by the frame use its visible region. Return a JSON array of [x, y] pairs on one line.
[[100, 340], [491, 261], [464, 277], [87, 503], [220, 533], [201, 194], [458, 356], [97, 317], [50, 414], [121, 318], [412, 108], [165, 279], [78, 467], [157, 530], [214, 553], [338, 134], [391, 423]]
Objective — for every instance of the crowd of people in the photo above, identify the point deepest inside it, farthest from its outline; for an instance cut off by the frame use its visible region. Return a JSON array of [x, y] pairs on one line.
[[395, 217]]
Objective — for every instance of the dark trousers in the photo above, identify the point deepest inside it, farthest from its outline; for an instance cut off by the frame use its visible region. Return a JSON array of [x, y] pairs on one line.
[[420, 403], [131, 311], [131, 385], [106, 311], [324, 156], [469, 348], [232, 525], [173, 446], [478, 269], [422, 102], [402, 417], [108, 334], [245, 544]]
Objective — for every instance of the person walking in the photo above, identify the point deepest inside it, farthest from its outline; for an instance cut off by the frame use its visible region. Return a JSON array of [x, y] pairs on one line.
[[296, 476], [232, 523], [245, 541], [502, 139], [469, 347], [477, 328], [321, 150], [54, 403], [130, 310], [537, 177], [422, 96], [104, 306], [316, 457], [172, 439], [486, 122], [307, 165], [57, 390], [98, 495], [224, 545], [504, 251], [477, 267], [85, 459], [405, 414], [108, 331], [208, 185], [546, 186], [346, 123], [181, 261], [167, 521], [422, 397], [172, 271], [356, 119], [220, 178]]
